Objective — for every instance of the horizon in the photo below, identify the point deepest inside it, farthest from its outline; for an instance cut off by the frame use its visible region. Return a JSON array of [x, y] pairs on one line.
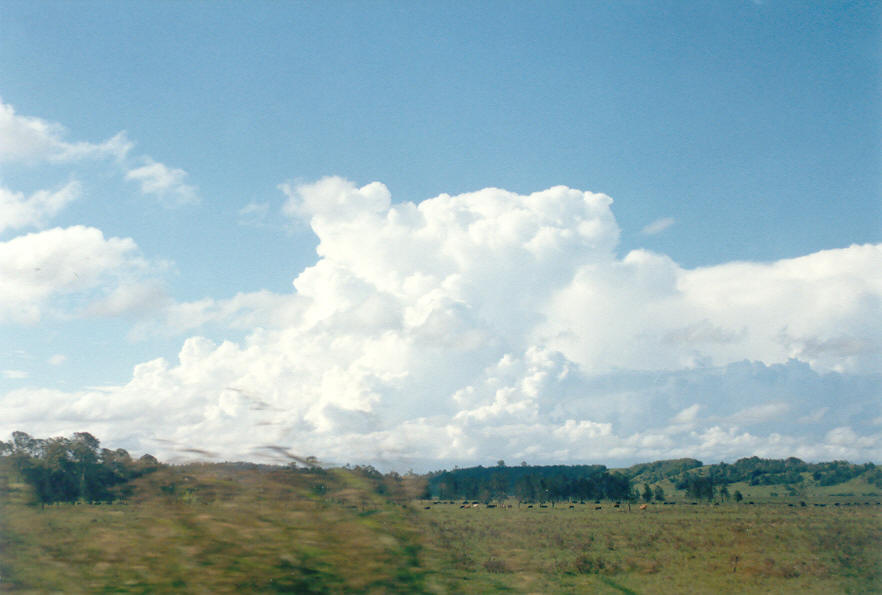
[[404, 234], [309, 461]]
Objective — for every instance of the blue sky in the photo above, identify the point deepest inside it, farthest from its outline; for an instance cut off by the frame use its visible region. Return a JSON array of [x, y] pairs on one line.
[[723, 132]]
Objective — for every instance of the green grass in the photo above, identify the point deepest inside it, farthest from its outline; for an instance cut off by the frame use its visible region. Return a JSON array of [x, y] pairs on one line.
[[220, 529]]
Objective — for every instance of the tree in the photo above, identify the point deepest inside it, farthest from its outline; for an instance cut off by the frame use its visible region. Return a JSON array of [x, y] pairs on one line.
[[724, 493], [738, 496], [84, 449], [647, 493], [659, 493], [699, 487], [69, 469]]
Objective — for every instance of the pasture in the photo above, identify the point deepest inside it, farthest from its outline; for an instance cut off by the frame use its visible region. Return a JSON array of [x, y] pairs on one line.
[[222, 529], [678, 548]]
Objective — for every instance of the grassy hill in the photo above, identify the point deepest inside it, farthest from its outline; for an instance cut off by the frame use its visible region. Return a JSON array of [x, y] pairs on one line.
[[216, 528]]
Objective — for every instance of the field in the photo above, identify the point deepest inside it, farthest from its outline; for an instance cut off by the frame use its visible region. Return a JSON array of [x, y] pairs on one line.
[[224, 529], [683, 548]]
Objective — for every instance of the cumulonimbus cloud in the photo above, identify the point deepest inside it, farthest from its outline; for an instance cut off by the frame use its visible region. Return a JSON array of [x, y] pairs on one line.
[[496, 325]]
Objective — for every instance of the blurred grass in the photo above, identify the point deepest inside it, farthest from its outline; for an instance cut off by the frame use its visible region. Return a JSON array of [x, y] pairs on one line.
[[227, 528], [207, 528]]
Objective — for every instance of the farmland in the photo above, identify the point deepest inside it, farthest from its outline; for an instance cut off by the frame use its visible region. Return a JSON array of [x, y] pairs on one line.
[[675, 548], [238, 528]]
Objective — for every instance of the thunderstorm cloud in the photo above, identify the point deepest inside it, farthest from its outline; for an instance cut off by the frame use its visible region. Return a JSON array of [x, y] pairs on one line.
[[473, 327]]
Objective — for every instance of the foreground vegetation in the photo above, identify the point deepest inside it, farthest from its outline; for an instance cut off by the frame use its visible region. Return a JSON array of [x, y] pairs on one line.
[[225, 528]]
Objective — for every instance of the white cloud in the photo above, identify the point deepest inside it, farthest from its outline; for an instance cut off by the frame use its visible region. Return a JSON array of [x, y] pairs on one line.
[[138, 297], [254, 214], [57, 359], [645, 312], [30, 140], [17, 212], [760, 413], [38, 269], [167, 184], [688, 415], [14, 374], [658, 226], [493, 325]]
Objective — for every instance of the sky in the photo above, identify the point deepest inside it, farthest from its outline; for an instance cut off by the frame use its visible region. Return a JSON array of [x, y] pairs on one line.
[[418, 235]]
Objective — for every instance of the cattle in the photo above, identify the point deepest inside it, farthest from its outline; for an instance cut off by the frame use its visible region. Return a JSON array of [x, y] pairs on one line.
[[643, 507], [598, 508]]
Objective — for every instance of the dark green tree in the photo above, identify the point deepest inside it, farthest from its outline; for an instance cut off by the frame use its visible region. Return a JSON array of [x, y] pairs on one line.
[[659, 493], [698, 487], [69, 469]]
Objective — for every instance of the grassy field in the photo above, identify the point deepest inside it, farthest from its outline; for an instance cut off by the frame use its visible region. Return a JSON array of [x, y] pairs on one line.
[[221, 529], [768, 548]]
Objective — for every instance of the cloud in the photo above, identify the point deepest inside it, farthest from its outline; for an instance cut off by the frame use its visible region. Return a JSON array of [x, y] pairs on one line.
[[688, 415], [165, 183], [254, 214], [57, 359], [760, 413], [491, 325], [137, 297], [657, 226], [644, 305], [17, 212], [31, 140], [39, 270], [244, 311], [14, 374]]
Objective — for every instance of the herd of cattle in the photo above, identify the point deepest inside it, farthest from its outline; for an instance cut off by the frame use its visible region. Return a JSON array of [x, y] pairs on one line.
[[472, 504]]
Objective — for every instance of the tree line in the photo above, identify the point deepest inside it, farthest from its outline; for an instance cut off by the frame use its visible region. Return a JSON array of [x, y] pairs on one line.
[[543, 483], [709, 481], [74, 469]]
